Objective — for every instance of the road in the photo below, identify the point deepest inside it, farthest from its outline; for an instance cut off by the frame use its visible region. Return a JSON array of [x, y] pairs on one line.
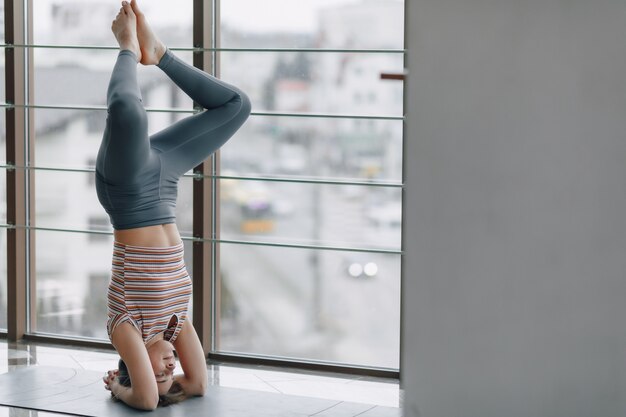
[[354, 320]]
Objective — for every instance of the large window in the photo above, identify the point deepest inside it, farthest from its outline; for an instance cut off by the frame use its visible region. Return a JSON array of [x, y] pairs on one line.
[[310, 206], [306, 213]]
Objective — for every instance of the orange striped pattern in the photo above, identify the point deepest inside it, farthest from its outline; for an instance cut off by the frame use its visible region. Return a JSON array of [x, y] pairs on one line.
[[148, 287]]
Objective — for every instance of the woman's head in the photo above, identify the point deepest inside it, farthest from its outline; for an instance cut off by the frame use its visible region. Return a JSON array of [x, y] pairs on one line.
[[163, 363]]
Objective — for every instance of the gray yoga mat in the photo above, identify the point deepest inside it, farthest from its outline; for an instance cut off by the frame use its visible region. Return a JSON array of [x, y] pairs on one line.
[[80, 392]]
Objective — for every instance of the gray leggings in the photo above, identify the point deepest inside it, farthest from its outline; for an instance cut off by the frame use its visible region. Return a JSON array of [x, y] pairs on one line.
[[137, 174]]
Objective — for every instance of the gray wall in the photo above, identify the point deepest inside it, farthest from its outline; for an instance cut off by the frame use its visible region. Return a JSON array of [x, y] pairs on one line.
[[514, 271]]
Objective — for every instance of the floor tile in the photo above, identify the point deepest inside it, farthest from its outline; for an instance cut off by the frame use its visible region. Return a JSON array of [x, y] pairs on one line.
[[388, 397], [101, 365], [64, 360], [344, 409], [381, 412], [22, 412]]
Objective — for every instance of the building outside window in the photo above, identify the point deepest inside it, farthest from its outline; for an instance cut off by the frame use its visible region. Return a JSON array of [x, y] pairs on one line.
[[302, 301]]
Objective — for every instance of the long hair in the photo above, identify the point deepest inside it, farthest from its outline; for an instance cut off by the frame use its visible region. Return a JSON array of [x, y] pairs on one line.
[[174, 395]]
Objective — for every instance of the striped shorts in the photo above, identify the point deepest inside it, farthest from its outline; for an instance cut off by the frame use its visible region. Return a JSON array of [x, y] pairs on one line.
[[150, 288]]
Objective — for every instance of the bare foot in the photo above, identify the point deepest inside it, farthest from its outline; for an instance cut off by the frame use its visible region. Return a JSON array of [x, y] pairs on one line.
[[152, 49], [124, 28]]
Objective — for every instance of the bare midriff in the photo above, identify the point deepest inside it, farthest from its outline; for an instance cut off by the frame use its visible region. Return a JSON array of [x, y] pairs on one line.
[[152, 236]]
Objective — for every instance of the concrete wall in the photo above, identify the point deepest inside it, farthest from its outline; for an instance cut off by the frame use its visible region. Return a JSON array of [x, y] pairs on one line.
[[514, 285]]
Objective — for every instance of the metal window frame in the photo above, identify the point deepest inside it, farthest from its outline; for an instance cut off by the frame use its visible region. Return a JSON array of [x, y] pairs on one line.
[[205, 282], [20, 140], [20, 186]]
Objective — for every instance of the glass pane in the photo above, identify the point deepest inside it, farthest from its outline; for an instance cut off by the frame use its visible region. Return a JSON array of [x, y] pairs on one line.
[[59, 131], [3, 132], [67, 22], [3, 197], [3, 96], [73, 272], [354, 216], [3, 280], [346, 295], [335, 83], [68, 200], [81, 77], [3, 251], [370, 24], [348, 149], [80, 131], [324, 305], [2, 24]]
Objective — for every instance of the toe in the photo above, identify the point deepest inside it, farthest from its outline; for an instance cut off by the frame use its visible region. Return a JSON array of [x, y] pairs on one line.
[[135, 7], [127, 8]]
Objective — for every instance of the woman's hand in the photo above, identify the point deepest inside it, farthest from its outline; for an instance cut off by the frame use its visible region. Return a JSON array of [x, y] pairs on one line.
[[118, 391], [125, 394], [110, 379]]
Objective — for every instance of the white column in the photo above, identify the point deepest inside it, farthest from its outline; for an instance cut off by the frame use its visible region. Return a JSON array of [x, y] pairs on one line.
[[514, 273]]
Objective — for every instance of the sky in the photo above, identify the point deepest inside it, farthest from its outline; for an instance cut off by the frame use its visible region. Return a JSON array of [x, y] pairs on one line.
[[255, 15], [250, 15]]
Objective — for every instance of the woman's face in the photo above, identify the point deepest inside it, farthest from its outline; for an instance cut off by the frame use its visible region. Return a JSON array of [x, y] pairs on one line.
[[163, 364]]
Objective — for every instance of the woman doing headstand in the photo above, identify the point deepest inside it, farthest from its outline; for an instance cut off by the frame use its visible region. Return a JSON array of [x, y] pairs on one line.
[[136, 182]]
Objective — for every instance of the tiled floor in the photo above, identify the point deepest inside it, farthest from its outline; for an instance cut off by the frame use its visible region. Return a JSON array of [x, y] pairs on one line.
[[368, 392]]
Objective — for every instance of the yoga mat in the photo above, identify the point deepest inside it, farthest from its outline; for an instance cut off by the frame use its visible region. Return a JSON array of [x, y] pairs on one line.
[[81, 392]]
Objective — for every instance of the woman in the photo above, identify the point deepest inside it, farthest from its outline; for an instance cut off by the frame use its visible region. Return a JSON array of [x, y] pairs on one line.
[[136, 181]]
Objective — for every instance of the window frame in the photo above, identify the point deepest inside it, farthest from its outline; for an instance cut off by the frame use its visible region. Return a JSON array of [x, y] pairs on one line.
[[20, 148]]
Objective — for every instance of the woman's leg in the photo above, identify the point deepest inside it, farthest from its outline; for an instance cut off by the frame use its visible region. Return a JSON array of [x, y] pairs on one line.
[[188, 142], [125, 146], [191, 140]]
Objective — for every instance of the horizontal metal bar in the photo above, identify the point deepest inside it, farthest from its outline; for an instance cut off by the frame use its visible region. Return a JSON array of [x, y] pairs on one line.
[[90, 108], [309, 365], [313, 50], [310, 181], [327, 116], [34, 168], [314, 181], [300, 246], [60, 46], [53, 229], [197, 110], [194, 49], [221, 241]]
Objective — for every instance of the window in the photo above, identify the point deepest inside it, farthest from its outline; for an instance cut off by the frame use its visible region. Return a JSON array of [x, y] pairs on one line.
[[98, 223], [311, 269], [308, 208]]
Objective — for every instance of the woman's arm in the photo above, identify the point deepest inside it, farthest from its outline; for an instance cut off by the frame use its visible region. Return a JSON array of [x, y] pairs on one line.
[[126, 394], [143, 393], [191, 356]]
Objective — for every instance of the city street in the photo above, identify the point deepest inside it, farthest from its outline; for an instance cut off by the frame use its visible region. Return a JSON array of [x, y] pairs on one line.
[[275, 289]]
